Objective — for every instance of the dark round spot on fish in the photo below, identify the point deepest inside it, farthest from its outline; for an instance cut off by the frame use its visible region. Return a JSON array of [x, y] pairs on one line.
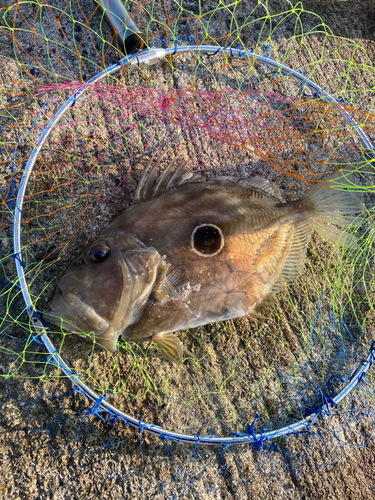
[[79, 262], [99, 252], [207, 240]]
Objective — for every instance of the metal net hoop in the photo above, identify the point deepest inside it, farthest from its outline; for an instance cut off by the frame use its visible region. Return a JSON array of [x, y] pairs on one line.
[[149, 57]]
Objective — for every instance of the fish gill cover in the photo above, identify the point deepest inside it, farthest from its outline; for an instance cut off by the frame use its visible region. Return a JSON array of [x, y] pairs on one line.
[[224, 112]]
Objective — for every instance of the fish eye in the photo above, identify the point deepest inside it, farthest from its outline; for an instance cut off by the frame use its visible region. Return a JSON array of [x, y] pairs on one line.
[[207, 240], [99, 252]]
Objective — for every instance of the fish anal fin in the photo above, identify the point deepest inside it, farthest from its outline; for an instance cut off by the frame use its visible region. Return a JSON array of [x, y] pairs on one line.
[[258, 318], [295, 260], [266, 301], [170, 346]]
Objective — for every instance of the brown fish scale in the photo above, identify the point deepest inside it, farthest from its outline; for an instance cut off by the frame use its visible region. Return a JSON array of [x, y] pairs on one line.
[[233, 282], [230, 286]]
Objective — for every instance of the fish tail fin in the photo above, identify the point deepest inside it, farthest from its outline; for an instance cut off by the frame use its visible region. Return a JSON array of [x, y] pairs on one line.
[[333, 202], [325, 206], [170, 346]]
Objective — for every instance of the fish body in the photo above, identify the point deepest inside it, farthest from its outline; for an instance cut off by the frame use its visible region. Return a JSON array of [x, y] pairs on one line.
[[191, 251]]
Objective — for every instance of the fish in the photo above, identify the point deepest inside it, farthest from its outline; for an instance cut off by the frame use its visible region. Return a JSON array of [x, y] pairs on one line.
[[190, 251]]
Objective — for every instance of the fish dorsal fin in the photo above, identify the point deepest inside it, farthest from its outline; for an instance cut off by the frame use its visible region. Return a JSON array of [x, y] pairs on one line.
[[264, 185], [148, 178], [151, 184], [295, 261], [259, 184]]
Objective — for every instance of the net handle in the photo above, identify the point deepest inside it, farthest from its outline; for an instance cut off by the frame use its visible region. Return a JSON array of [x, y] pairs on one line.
[[149, 57]]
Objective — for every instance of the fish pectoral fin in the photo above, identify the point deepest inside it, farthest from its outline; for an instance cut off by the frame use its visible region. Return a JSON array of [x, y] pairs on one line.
[[170, 345]]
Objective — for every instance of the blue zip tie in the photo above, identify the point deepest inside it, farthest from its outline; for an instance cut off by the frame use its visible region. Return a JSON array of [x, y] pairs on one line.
[[234, 48], [74, 96], [35, 339], [250, 430], [328, 401], [17, 257], [323, 408], [140, 425], [224, 447], [75, 389], [214, 54], [171, 438], [361, 377], [176, 39], [160, 41], [199, 438], [95, 409], [257, 443]]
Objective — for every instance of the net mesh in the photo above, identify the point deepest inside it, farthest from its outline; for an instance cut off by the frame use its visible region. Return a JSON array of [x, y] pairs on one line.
[[225, 113]]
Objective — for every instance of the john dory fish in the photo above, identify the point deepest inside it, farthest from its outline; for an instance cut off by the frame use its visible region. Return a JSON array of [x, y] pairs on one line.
[[191, 251]]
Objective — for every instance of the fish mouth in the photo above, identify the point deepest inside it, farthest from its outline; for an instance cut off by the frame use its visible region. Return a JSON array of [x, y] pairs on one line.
[[70, 312], [54, 317]]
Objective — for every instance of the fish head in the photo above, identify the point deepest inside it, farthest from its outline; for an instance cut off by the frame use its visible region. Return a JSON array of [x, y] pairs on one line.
[[105, 288]]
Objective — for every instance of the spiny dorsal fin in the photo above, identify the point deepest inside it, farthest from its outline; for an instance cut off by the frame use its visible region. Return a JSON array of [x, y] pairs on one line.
[[142, 186], [165, 176], [151, 185]]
